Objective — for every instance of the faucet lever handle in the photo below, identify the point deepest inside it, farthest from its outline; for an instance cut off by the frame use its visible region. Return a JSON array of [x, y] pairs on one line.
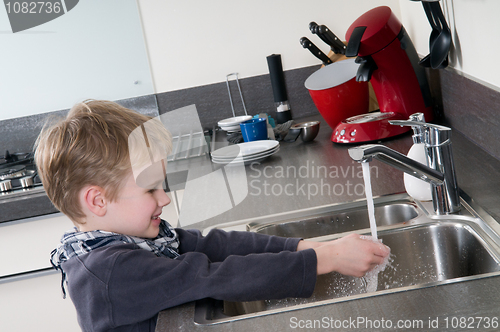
[[414, 123], [434, 134], [418, 131]]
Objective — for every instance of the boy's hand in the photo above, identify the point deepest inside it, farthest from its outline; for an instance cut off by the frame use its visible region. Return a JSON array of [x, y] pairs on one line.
[[350, 255]]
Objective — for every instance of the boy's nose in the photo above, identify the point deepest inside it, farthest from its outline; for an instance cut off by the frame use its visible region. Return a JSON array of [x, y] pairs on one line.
[[163, 198]]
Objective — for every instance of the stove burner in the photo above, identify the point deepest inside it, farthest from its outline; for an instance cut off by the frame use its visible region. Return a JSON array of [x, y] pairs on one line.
[[15, 158], [12, 172], [18, 175]]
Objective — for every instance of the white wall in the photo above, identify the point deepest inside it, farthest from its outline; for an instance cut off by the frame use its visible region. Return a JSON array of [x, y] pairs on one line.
[[192, 43], [96, 50], [474, 25]]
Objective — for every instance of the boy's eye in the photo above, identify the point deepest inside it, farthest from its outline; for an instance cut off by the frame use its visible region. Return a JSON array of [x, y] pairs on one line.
[[158, 186]]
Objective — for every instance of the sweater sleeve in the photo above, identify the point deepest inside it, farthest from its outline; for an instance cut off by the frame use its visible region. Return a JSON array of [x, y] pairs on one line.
[[218, 244], [140, 284]]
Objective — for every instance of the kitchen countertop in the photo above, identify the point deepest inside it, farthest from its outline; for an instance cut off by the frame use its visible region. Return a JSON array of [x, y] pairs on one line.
[[300, 175], [478, 176]]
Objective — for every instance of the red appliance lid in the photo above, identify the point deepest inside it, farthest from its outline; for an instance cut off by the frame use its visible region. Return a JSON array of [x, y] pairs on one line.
[[382, 27]]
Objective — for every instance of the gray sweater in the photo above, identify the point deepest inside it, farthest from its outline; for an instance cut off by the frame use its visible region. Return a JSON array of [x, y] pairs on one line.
[[123, 287]]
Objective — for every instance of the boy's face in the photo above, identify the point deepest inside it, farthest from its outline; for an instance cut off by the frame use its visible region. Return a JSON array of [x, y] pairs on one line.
[[137, 209]]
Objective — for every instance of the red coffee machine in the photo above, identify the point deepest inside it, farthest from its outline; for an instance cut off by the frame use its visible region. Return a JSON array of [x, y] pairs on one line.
[[389, 61]]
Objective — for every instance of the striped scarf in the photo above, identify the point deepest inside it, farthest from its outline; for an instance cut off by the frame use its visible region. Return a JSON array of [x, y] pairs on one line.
[[75, 243]]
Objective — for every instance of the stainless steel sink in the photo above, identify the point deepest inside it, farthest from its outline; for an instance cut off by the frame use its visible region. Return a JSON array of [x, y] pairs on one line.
[[427, 251], [340, 221]]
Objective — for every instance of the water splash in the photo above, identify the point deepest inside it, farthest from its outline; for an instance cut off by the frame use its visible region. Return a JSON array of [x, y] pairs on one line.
[[370, 280]]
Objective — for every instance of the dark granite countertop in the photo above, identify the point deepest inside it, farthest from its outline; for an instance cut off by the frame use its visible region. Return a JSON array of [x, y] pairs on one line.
[[478, 176]]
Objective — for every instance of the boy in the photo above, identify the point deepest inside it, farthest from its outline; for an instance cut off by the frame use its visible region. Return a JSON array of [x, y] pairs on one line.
[[123, 264]]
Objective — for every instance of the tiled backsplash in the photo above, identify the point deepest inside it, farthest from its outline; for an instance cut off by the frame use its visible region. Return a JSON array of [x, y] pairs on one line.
[[212, 101], [473, 109], [467, 106]]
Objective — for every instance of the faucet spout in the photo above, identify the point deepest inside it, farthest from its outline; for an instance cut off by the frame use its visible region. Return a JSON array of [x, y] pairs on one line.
[[439, 171], [397, 160]]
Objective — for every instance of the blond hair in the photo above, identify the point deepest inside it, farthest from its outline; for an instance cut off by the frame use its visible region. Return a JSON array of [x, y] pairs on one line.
[[96, 144]]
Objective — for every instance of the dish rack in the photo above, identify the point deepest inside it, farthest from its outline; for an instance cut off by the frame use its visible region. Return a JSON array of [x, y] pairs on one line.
[[186, 146]]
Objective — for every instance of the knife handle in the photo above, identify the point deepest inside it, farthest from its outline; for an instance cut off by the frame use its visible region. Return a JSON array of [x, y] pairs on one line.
[[315, 29], [306, 43], [336, 44], [313, 26]]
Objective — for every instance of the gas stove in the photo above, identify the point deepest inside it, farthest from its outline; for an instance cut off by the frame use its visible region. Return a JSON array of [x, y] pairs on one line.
[[18, 176], [23, 196]]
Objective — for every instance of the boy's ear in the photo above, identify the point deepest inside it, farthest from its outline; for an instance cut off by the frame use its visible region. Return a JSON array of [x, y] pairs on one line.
[[93, 196]]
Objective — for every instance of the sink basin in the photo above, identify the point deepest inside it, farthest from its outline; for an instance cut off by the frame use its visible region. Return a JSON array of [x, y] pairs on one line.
[[421, 256], [426, 250], [340, 221]]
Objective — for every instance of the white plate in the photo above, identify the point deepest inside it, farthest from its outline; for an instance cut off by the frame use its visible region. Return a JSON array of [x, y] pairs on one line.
[[256, 155], [245, 161], [229, 128], [244, 149], [234, 120]]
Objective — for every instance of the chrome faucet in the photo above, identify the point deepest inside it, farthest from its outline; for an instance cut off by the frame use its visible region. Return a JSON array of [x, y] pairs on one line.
[[439, 171]]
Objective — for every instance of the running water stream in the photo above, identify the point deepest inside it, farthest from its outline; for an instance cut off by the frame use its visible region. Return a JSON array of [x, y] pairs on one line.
[[371, 278], [369, 198], [344, 285]]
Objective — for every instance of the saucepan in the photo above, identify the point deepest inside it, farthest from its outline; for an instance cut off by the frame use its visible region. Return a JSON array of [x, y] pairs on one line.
[[336, 93]]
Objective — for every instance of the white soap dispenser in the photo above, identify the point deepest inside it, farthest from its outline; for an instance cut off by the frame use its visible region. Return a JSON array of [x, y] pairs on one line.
[[416, 188]]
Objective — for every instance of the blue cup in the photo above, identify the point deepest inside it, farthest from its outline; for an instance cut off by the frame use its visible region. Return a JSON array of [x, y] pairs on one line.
[[254, 130]]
